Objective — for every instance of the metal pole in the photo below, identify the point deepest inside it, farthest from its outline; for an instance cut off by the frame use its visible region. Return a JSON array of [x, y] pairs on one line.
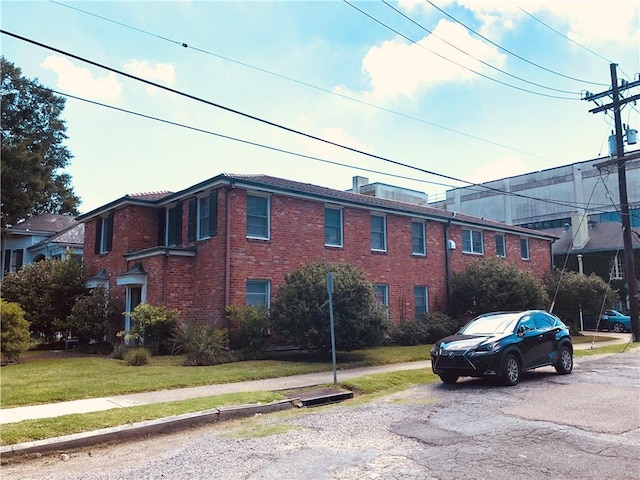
[[333, 334]]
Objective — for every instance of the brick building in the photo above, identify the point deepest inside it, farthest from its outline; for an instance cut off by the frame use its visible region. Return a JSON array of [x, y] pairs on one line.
[[233, 238]]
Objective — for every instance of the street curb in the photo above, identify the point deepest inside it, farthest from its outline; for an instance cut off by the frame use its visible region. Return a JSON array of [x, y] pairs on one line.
[[162, 425]]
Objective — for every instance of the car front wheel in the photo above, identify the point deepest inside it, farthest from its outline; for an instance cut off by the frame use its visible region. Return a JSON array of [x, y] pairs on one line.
[[565, 361], [511, 370], [618, 327]]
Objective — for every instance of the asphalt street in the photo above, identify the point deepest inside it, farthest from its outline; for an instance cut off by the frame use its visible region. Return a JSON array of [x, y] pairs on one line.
[[580, 426]]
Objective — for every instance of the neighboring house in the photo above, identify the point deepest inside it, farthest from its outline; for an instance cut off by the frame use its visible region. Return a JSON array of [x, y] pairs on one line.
[[43, 236], [232, 239], [592, 247]]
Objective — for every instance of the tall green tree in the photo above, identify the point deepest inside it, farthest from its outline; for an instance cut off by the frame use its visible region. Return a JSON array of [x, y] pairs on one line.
[[33, 154]]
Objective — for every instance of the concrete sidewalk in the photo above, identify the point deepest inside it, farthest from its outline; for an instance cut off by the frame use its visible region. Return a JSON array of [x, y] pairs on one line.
[[18, 414]]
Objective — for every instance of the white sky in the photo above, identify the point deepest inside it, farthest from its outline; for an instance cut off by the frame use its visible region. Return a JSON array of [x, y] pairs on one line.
[[326, 69]]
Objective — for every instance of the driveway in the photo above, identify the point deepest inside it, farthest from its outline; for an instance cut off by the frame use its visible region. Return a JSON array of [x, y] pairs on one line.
[[581, 426]]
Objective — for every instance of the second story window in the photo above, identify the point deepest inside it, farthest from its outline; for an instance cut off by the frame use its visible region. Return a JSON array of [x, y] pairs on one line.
[[472, 241], [501, 246], [257, 217], [174, 225], [203, 217], [618, 267], [418, 242], [104, 234], [378, 233], [333, 227]]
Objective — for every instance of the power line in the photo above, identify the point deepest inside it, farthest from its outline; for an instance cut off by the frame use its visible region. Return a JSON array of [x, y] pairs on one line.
[[300, 82], [510, 52], [273, 124], [564, 36], [453, 61], [474, 57]]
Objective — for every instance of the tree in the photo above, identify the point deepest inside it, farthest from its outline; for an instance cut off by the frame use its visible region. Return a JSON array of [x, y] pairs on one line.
[[488, 285], [14, 332], [573, 291], [32, 151], [300, 311], [46, 291]]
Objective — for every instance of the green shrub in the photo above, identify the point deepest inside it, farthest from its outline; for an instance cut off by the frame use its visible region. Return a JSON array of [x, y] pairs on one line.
[[14, 331], [427, 329], [202, 344], [155, 326], [249, 328], [91, 316], [300, 311], [137, 356]]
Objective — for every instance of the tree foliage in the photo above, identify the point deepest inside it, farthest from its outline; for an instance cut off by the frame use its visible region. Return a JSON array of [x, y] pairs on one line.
[[300, 311], [33, 153], [14, 332], [156, 326], [492, 284], [46, 291], [573, 291], [92, 315]]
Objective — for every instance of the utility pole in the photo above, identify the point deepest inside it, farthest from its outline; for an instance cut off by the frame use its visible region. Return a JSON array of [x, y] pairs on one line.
[[620, 160]]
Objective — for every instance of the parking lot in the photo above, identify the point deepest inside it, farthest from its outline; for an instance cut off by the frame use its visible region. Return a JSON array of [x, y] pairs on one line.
[[580, 426]]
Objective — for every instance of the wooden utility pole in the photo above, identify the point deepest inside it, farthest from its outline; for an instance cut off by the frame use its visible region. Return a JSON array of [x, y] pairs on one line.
[[615, 105]]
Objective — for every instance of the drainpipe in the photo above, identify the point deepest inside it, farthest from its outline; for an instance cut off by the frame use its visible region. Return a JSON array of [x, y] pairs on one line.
[[227, 260], [447, 267]]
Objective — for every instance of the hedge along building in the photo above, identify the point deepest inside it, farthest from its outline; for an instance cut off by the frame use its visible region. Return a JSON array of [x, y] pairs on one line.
[[232, 239]]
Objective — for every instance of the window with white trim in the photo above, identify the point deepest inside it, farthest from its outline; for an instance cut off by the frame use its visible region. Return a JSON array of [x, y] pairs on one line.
[[501, 245], [104, 234], [258, 217], [618, 267], [418, 238], [524, 248], [258, 293], [174, 225], [420, 300], [472, 241], [381, 292], [333, 227], [378, 233]]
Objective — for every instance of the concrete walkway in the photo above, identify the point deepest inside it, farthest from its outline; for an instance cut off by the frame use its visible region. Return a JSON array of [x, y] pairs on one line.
[[18, 414]]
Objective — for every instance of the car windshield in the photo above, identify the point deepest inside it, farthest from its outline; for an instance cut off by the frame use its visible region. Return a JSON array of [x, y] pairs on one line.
[[491, 324]]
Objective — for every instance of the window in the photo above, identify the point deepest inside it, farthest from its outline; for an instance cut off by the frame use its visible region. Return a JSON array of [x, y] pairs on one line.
[[420, 300], [381, 293], [501, 246], [617, 269], [333, 227], [524, 248], [378, 233], [418, 244], [472, 241], [104, 234], [203, 217], [174, 225], [13, 260], [257, 217], [258, 293]]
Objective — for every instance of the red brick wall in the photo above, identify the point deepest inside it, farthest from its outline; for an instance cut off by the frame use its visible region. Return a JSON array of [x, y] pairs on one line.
[[196, 285]]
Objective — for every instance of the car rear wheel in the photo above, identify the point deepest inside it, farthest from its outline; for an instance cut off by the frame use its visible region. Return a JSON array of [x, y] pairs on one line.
[[618, 327], [565, 361], [511, 370], [449, 379]]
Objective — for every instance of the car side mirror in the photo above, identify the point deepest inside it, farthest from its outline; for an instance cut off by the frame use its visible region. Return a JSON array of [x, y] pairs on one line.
[[522, 329]]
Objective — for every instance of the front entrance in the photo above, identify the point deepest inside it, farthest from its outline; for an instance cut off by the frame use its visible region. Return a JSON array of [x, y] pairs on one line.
[[133, 299]]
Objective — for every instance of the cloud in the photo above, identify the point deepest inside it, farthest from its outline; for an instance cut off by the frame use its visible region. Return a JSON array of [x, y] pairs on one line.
[[397, 68], [80, 81], [162, 73]]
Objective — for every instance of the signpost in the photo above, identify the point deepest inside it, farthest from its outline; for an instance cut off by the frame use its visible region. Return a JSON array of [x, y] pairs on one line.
[[333, 334]]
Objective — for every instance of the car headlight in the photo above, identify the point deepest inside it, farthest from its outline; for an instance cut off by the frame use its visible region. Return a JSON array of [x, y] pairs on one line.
[[488, 347], [435, 349]]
